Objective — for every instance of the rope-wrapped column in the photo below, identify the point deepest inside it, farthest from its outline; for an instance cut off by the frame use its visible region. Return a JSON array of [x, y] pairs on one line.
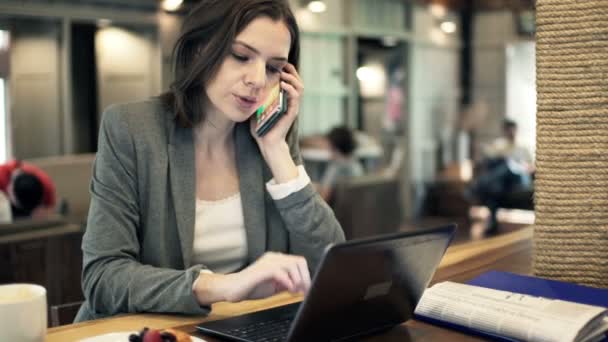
[[571, 186]]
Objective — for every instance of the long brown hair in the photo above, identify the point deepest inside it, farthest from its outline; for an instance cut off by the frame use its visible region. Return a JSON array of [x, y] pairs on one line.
[[206, 38]]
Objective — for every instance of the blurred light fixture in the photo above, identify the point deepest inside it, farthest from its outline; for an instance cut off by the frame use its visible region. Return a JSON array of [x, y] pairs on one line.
[[438, 10], [317, 6], [171, 5], [448, 27], [104, 23], [372, 80], [365, 73]]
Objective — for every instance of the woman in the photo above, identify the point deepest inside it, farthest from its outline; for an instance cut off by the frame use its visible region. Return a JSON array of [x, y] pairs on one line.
[[189, 206]]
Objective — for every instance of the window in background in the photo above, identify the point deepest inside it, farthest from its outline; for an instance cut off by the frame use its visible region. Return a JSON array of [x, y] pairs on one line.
[[4, 72], [322, 70], [521, 91], [3, 120]]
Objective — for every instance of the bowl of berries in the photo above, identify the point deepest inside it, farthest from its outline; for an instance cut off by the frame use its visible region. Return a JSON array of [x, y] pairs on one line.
[[154, 335], [145, 335]]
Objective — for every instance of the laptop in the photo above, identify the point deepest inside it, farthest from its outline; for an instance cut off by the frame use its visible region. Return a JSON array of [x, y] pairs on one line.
[[360, 287]]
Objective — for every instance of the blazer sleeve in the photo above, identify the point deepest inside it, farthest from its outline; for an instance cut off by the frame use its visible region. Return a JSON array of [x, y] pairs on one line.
[[114, 281], [311, 223]]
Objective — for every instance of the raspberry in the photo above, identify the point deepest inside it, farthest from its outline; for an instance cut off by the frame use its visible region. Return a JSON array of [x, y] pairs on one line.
[[152, 336]]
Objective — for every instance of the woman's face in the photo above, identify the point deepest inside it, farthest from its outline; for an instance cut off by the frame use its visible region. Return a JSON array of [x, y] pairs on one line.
[[252, 68]]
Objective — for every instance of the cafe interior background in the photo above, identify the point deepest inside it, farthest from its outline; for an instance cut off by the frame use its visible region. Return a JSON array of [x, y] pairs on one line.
[[425, 85]]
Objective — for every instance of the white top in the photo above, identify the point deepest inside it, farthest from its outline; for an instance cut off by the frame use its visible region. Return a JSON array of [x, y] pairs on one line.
[[503, 148], [220, 238]]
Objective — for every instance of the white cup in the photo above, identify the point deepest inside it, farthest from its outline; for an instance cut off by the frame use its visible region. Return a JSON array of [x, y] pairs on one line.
[[23, 316]]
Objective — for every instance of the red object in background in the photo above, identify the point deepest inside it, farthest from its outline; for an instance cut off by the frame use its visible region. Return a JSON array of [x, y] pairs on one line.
[[7, 169]]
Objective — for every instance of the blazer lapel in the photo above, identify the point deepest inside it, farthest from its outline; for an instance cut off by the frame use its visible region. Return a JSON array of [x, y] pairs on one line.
[[183, 185], [251, 184]]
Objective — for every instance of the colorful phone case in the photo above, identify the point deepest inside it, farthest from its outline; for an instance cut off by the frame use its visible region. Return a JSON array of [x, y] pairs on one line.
[[272, 109]]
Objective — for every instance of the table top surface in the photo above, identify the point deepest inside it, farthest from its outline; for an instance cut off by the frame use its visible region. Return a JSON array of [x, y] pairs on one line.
[[510, 252]]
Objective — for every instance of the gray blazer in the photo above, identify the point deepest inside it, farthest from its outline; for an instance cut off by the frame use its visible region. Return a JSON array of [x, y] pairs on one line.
[[137, 247]]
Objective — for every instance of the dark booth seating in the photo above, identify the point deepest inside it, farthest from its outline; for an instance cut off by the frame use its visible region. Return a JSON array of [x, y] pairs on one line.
[[368, 205]]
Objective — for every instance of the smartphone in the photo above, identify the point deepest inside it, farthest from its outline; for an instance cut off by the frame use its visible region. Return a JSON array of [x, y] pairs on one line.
[[271, 111]]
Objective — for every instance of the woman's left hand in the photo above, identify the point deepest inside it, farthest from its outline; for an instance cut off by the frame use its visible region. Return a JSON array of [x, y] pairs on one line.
[[293, 86]]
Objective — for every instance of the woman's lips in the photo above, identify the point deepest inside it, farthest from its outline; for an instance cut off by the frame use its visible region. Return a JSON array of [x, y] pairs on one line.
[[246, 102]]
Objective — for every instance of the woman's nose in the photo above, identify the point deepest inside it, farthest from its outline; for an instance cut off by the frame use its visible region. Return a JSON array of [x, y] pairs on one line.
[[256, 75]]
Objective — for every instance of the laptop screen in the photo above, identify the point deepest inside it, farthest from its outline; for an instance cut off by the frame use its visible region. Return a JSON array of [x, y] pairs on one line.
[[371, 284]]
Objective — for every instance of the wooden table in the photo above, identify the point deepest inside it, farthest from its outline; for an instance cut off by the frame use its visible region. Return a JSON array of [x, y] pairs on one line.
[[510, 252]]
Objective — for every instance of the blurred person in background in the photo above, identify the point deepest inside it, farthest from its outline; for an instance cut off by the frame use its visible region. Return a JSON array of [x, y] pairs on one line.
[[506, 167], [29, 190], [343, 164]]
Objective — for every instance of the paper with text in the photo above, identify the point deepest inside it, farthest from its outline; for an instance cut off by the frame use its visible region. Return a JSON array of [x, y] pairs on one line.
[[512, 315]]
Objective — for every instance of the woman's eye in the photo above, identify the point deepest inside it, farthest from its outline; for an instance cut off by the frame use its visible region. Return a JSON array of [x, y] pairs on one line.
[[240, 58], [273, 70]]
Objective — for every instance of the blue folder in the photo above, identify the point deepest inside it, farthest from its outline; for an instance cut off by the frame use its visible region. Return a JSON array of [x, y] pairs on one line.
[[533, 286]]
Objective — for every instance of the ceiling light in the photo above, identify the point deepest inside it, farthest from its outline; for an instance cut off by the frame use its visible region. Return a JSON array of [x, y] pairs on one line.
[[171, 5], [438, 10], [317, 6], [448, 27]]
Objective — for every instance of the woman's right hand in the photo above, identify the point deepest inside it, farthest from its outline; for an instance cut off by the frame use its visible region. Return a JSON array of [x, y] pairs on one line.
[[270, 274]]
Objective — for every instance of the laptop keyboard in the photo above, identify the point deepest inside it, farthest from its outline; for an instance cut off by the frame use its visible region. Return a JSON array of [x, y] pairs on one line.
[[264, 331]]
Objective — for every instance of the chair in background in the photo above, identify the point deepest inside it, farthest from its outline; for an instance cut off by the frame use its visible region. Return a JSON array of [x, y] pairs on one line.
[[368, 205], [64, 314], [44, 252], [71, 175]]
